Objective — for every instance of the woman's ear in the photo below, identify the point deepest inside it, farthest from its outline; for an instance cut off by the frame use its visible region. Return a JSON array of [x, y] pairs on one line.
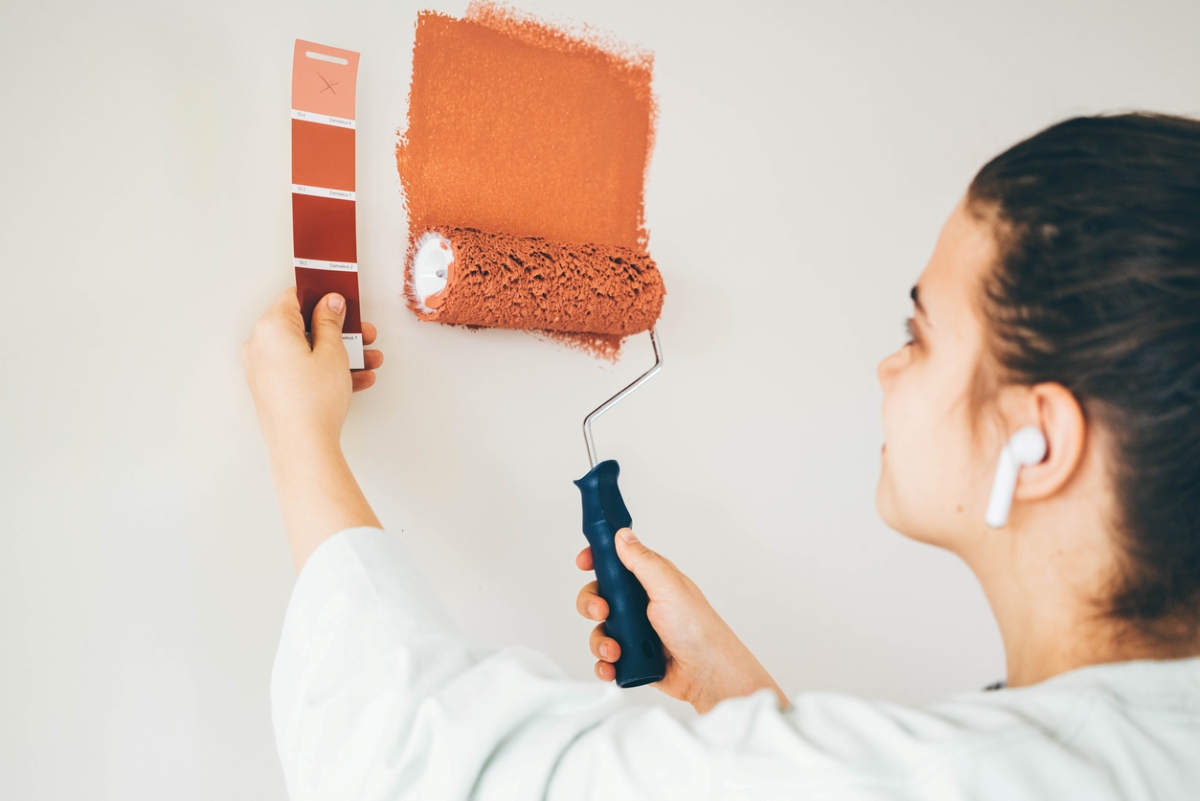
[[1060, 417]]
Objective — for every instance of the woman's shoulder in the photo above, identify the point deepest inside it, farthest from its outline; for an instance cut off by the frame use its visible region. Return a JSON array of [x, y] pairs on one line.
[[1096, 729]]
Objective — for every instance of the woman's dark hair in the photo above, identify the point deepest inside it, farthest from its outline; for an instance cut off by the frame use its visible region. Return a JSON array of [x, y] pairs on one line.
[[1097, 288]]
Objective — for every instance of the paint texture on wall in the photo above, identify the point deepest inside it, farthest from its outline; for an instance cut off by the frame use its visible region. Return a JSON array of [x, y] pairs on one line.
[[516, 127]]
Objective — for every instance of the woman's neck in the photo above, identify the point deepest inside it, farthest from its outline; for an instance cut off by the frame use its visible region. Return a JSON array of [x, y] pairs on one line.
[[1037, 652], [1046, 579]]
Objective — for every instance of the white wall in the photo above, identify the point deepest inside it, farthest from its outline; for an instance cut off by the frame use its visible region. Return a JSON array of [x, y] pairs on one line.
[[807, 154]]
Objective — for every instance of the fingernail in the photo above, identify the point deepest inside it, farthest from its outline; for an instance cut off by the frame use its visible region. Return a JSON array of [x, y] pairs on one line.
[[593, 610], [604, 650], [336, 303], [627, 535]]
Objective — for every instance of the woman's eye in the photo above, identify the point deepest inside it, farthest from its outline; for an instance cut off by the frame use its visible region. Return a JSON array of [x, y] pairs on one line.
[[910, 328]]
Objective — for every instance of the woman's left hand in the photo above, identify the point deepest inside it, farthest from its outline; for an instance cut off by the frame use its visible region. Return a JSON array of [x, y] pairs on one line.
[[303, 390]]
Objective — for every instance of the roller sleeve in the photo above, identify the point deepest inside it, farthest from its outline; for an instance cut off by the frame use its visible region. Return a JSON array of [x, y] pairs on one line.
[[464, 276]]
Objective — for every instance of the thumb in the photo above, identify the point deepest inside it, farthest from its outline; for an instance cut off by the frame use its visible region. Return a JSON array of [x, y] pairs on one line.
[[327, 320], [651, 569]]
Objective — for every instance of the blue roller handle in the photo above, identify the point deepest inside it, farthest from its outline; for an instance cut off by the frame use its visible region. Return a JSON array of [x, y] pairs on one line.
[[604, 514]]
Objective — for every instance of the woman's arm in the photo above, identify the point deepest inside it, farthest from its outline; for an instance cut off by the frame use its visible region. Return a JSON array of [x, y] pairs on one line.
[[302, 394], [375, 696]]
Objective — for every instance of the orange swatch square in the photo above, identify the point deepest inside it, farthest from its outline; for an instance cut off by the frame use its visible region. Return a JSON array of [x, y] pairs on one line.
[[322, 85], [322, 155]]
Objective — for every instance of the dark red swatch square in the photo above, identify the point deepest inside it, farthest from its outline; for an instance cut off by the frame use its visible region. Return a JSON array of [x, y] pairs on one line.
[[312, 285], [323, 228]]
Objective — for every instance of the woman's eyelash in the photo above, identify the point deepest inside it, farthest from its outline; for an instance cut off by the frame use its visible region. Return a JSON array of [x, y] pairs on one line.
[[910, 328]]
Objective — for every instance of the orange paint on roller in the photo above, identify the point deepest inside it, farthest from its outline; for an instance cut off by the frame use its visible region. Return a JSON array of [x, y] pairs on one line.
[[520, 131], [503, 281]]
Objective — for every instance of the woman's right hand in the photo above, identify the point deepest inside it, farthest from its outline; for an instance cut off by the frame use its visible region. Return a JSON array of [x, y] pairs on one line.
[[706, 662]]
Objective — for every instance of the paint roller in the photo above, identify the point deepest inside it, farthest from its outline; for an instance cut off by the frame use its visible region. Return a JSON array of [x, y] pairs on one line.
[[469, 277]]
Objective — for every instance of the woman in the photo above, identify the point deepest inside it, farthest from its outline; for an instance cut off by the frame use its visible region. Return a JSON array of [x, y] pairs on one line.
[[1063, 295]]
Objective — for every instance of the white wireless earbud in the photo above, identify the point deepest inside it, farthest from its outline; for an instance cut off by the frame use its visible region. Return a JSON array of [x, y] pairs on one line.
[[1026, 447]]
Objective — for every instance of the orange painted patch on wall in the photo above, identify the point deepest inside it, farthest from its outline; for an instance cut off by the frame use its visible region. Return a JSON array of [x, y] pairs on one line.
[[519, 130]]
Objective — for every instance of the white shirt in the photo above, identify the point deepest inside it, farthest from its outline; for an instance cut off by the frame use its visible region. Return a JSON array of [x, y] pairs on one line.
[[375, 697]]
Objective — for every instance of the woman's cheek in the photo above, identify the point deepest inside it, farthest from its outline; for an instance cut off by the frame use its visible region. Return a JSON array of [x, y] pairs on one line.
[[903, 411], [897, 489]]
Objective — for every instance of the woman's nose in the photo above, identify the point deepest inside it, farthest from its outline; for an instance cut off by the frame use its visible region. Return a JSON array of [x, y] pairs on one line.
[[887, 369]]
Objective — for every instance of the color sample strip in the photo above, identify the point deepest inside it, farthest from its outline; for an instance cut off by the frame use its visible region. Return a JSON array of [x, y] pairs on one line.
[[517, 128], [324, 234]]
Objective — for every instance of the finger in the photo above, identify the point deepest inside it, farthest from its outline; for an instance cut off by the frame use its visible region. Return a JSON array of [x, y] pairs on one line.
[[327, 325], [362, 379], [281, 317], [652, 570], [589, 603], [605, 648], [369, 333], [605, 672], [286, 301], [372, 359], [584, 560]]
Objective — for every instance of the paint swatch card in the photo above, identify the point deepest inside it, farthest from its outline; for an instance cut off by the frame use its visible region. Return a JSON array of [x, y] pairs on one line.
[[324, 235]]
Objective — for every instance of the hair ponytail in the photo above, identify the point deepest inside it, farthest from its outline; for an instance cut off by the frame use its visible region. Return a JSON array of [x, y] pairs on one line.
[[1098, 289]]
